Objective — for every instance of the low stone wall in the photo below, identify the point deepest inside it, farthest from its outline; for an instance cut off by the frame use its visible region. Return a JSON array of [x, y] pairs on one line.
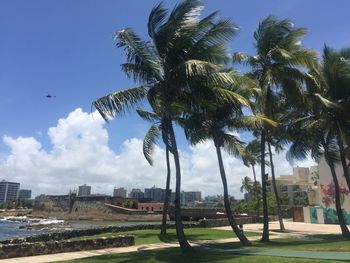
[[51, 247], [86, 232], [64, 235]]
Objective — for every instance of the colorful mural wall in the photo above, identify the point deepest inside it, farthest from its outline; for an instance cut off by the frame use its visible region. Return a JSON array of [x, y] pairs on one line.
[[322, 215], [325, 212]]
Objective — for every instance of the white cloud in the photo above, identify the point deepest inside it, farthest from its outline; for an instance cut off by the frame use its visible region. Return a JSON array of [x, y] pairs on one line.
[[80, 154]]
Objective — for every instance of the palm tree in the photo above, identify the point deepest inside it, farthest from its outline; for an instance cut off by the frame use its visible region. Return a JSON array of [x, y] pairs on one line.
[[182, 49], [151, 137], [277, 65], [213, 119], [278, 201], [247, 185], [312, 136], [251, 157], [332, 94], [204, 124]]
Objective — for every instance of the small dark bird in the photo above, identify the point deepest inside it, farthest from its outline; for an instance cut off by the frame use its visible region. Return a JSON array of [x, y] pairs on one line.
[[49, 96]]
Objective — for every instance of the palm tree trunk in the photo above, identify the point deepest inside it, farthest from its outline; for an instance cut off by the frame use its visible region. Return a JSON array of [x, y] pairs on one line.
[[278, 202], [257, 194], [343, 158], [184, 245], [167, 194], [341, 220], [244, 241], [265, 236]]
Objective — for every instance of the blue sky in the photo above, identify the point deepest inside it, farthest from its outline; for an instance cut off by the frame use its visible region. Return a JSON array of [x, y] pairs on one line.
[[65, 48]]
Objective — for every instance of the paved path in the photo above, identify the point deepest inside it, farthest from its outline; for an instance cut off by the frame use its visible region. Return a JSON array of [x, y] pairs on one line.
[[294, 227], [299, 229]]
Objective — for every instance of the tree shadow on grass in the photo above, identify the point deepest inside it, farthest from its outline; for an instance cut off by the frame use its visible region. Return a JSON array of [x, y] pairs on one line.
[[168, 238], [282, 243]]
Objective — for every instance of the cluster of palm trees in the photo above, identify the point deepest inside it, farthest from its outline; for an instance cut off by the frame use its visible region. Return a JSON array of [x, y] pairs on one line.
[[182, 71]]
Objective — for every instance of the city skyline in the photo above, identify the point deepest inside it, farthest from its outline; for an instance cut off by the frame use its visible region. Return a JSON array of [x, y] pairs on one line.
[[59, 143]]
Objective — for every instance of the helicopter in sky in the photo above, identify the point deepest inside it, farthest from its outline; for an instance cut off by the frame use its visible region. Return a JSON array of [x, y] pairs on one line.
[[49, 96]]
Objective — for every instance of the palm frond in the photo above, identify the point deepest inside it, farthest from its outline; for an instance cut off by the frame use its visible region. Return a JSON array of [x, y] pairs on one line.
[[254, 122], [228, 96], [327, 103], [240, 57], [149, 142], [119, 102], [155, 19], [148, 116], [141, 55], [199, 68], [232, 145]]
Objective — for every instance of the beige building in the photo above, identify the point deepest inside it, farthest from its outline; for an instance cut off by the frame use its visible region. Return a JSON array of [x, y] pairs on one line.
[[293, 189], [313, 189]]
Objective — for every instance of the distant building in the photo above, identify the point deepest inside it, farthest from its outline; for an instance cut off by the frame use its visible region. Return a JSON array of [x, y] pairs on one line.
[[119, 192], [188, 197], [155, 194], [150, 207], [248, 196], [8, 191], [293, 189], [84, 190], [136, 193], [191, 197], [25, 194]]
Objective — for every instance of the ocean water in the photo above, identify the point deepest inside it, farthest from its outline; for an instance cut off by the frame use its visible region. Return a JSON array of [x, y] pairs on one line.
[[10, 229]]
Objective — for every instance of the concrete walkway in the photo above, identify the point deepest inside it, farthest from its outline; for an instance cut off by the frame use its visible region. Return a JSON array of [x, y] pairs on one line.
[[293, 227], [298, 229]]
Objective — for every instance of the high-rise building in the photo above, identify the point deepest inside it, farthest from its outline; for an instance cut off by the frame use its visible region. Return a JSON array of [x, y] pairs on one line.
[[84, 190], [119, 192], [136, 193], [8, 191], [25, 194], [191, 197], [155, 194]]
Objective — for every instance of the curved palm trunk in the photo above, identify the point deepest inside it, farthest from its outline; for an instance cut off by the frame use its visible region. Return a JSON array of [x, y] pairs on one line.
[[257, 194], [184, 245], [343, 159], [278, 202], [265, 236], [242, 238], [341, 220], [167, 194]]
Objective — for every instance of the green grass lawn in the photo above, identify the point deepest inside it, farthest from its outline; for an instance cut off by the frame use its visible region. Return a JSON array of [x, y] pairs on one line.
[[152, 236], [311, 243], [173, 255]]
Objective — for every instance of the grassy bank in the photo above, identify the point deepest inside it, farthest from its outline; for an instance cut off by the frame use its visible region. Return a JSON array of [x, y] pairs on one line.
[[152, 236], [173, 255], [310, 243]]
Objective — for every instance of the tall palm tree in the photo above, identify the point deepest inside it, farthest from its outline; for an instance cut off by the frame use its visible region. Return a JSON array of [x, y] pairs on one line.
[[312, 136], [278, 64], [212, 119], [181, 49], [247, 185], [151, 137], [251, 157], [275, 191], [204, 125], [332, 94]]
